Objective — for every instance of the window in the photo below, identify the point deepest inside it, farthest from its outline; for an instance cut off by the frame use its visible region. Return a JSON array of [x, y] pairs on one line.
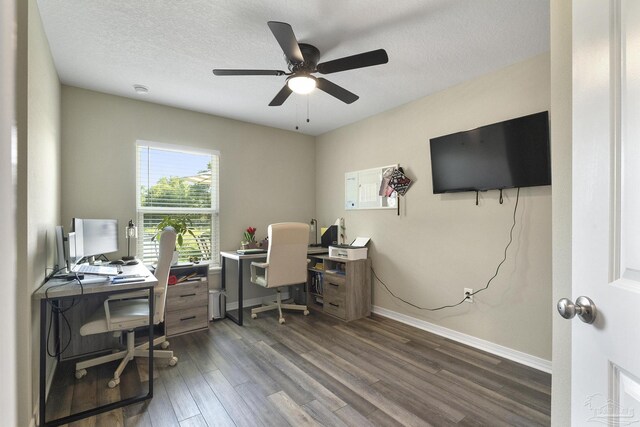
[[179, 182]]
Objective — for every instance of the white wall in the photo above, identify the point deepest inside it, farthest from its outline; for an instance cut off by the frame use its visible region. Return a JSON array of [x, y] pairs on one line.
[[38, 115], [8, 336], [561, 136], [441, 244], [266, 175]]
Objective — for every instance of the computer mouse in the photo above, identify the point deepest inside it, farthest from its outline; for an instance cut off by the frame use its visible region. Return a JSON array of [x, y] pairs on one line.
[[117, 262], [132, 262]]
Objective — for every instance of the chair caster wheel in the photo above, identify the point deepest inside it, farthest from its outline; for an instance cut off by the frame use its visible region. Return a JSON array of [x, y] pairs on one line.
[[173, 361], [165, 345], [281, 320], [306, 312], [254, 316], [114, 382], [81, 373]]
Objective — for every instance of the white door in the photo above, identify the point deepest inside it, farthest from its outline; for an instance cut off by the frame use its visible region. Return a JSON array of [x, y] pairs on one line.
[[9, 389], [605, 384]]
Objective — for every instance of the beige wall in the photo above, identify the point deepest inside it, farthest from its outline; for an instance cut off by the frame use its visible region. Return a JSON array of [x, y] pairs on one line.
[[38, 116], [266, 175], [561, 136], [441, 244]]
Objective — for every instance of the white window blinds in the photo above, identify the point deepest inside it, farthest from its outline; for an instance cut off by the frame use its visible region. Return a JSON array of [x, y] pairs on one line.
[[178, 182]]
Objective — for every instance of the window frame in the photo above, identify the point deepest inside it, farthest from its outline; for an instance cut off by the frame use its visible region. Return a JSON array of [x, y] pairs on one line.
[[214, 261]]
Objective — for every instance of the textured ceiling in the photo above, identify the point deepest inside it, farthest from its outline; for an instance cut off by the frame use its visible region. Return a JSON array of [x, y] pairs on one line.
[[172, 46]]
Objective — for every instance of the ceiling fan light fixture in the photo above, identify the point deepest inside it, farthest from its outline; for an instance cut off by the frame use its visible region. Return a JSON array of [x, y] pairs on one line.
[[302, 84]]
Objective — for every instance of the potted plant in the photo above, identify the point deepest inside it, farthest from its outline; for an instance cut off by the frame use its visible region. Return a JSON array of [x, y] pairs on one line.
[[182, 224], [249, 239]]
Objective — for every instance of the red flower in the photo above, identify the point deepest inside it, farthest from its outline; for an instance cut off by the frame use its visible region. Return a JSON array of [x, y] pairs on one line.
[[249, 234]]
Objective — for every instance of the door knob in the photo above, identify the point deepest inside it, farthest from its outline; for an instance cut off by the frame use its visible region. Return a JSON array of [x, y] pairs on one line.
[[583, 307]]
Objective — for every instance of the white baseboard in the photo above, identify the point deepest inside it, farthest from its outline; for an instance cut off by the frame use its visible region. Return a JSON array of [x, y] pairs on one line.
[[255, 301], [499, 350]]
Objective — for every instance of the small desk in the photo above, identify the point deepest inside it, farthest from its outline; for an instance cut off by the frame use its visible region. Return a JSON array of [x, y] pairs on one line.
[[55, 290], [241, 258]]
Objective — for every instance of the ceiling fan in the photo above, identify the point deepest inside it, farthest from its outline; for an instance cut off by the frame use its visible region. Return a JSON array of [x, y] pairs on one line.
[[302, 61]]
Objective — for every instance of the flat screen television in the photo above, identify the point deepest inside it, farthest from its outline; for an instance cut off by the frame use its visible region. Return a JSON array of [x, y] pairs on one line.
[[509, 154]]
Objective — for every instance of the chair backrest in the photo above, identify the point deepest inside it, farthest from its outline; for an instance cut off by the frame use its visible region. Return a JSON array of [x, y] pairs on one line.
[[287, 254], [167, 246]]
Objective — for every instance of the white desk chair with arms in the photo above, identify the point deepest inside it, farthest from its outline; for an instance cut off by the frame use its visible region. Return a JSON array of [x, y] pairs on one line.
[[127, 311], [286, 264]]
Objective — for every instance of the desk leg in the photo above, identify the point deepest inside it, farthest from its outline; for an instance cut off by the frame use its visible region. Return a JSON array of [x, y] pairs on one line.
[[234, 319], [151, 315], [223, 279], [240, 297], [43, 362]]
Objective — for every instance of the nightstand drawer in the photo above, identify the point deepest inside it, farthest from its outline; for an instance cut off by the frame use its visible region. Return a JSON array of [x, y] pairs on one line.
[[187, 295], [334, 290], [335, 307], [338, 279], [178, 322]]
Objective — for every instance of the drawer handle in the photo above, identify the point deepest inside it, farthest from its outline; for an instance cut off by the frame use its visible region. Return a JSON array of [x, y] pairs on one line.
[[188, 295], [335, 305], [333, 284], [187, 318]]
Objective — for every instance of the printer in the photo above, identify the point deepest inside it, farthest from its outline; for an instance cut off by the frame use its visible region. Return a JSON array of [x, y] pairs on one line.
[[356, 250]]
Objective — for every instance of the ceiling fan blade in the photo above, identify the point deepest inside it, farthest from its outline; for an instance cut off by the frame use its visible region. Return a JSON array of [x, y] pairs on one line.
[[287, 40], [361, 60], [280, 97], [227, 72], [334, 90]]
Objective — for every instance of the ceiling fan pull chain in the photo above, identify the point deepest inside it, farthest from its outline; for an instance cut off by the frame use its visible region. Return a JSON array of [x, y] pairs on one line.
[[307, 108]]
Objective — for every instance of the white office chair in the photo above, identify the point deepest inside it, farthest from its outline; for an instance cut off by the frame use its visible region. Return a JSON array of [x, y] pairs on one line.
[[127, 311], [286, 264]]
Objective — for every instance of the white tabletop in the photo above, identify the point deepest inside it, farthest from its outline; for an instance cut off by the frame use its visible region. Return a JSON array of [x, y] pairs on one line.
[[57, 288], [235, 255], [311, 250]]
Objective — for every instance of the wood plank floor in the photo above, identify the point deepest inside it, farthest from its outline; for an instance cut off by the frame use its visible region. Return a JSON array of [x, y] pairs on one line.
[[312, 371]]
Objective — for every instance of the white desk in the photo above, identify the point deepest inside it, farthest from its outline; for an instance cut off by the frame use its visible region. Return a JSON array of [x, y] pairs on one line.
[[240, 259], [56, 290]]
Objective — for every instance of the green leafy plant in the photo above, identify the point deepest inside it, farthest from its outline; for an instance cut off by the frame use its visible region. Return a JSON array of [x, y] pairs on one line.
[[181, 224]]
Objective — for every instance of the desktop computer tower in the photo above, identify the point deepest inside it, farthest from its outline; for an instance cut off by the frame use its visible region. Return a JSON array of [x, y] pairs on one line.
[[217, 304], [297, 293]]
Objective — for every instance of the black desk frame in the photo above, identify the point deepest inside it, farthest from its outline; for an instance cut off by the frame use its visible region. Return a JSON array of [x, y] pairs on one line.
[[241, 258], [240, 261], [43, 365]]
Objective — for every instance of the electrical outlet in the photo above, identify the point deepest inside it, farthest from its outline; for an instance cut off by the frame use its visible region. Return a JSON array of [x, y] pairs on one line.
[[468, 295]]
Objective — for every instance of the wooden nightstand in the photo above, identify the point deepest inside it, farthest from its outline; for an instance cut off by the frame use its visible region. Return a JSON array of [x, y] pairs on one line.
[[187, 305]]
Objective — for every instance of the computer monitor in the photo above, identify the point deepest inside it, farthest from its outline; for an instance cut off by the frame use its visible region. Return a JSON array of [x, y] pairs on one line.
[[94, 237], [62, 255], [73, 255]]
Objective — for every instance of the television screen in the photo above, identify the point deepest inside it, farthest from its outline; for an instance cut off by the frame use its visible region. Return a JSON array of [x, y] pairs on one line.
[[513, 153]]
